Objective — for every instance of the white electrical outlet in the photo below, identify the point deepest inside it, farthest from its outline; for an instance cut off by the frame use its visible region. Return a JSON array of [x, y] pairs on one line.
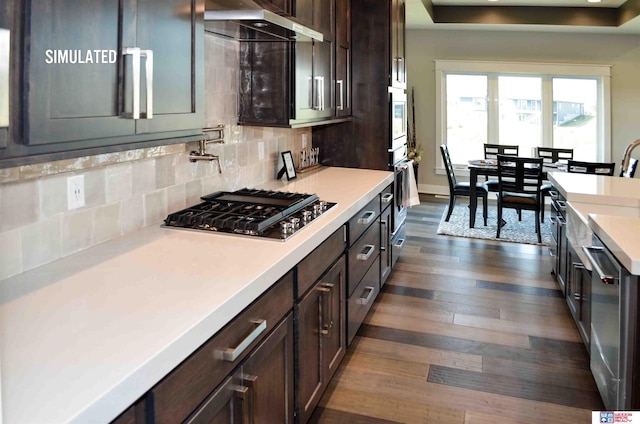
[[304, 141], [75, 192], [261, 150]]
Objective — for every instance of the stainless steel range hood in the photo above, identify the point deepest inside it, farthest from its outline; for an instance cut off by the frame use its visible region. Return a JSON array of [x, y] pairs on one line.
[[248, 20]]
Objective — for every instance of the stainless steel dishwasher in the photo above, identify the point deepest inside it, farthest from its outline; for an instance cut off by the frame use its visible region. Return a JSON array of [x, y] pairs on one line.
[[614, 323]]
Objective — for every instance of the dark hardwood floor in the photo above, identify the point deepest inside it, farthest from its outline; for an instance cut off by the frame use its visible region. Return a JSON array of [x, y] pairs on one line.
[[464, 331]]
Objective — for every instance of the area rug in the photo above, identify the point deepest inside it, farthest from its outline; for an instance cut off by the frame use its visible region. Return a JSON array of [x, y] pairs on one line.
[[514, 231]]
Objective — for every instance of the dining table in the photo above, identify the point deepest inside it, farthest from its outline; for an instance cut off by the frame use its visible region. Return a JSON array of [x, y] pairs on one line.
[[489, 168]]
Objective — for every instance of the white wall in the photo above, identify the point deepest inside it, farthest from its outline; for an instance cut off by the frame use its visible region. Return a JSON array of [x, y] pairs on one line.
[[620, 51]]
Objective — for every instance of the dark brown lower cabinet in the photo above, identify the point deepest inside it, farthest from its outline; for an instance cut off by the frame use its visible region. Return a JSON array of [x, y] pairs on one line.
[[578, 296], [321, 338], [260, 390]]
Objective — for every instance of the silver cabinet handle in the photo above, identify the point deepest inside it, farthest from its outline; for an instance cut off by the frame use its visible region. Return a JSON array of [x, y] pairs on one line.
[[605, 278], [341, 91], [365, 300], [400, 243], [366, 252], [319, 97], [383, 223], [367, 217], [326, 323], [135, 68], [231, 354], [136, 53], [387, 198], [148, 54], [4, 76]]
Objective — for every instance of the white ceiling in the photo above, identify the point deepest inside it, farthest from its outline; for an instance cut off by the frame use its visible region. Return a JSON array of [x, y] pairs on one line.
[[417, 16]]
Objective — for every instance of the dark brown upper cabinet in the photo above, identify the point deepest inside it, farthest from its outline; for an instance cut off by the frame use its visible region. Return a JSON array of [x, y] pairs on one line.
[[301, 83], [398, 64], [89, 65], [343, 59], [285, 84], [318, 14]]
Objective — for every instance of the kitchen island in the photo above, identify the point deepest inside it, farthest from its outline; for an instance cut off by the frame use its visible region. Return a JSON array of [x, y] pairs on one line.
[[84, 337], [601, 283]]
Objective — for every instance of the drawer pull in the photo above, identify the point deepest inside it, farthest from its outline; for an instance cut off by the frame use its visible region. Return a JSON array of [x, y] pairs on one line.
[[366, 218], [400, 243], [365, 300], [231, 354], [366, 252], [387, 197]]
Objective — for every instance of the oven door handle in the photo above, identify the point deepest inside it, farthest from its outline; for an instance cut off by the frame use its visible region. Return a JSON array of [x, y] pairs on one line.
[[607, 279]]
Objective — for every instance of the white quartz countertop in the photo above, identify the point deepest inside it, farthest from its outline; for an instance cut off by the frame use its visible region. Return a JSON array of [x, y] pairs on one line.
[[606, 206], [83, 337], [605, 190], [620, 235]]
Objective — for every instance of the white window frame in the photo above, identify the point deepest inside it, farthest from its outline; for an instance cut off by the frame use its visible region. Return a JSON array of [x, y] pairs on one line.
[[547, 71]]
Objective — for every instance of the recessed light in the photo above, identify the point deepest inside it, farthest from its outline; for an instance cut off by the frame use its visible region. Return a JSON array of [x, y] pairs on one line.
[[594, 1]]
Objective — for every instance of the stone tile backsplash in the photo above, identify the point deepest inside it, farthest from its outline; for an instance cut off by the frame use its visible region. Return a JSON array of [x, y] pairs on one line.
[[129, 190]]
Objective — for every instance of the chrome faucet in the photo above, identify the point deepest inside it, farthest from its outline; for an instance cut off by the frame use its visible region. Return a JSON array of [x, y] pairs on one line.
[[627, 154]]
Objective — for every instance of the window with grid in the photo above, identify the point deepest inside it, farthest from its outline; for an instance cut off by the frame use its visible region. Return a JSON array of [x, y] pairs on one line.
[[528, 104]]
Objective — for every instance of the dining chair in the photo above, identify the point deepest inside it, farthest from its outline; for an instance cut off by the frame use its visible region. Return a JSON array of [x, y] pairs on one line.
[[463, 188], [551, 155], [491, 151], [599, 168], [631, 169], [519, 182]]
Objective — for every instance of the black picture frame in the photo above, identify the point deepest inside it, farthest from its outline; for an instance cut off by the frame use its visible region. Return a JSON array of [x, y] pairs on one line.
[[289, 167]]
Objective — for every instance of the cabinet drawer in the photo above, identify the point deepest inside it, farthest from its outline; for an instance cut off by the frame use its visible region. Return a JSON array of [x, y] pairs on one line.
[[312, 267], [190, 383], [363, 254], [361, 221], [362, 298]]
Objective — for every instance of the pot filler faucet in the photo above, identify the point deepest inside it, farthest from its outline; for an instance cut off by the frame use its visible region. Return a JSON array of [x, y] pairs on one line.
[[627, 154], [201, 154]]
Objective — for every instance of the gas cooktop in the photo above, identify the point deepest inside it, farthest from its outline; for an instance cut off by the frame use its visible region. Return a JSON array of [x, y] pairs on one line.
[[261, 213]]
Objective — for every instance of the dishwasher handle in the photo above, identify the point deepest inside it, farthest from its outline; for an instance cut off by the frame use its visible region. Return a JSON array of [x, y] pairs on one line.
[[591, 253]]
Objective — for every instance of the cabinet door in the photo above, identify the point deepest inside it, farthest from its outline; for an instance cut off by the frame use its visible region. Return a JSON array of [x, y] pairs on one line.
[[173, 31], [67, 100], [310, 378], [343, 81], [227, 405], [333, 324], [79, 82], [318, 14], [268, 373], [343, 23], [321, 329], [398, 67], [313, 80]]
